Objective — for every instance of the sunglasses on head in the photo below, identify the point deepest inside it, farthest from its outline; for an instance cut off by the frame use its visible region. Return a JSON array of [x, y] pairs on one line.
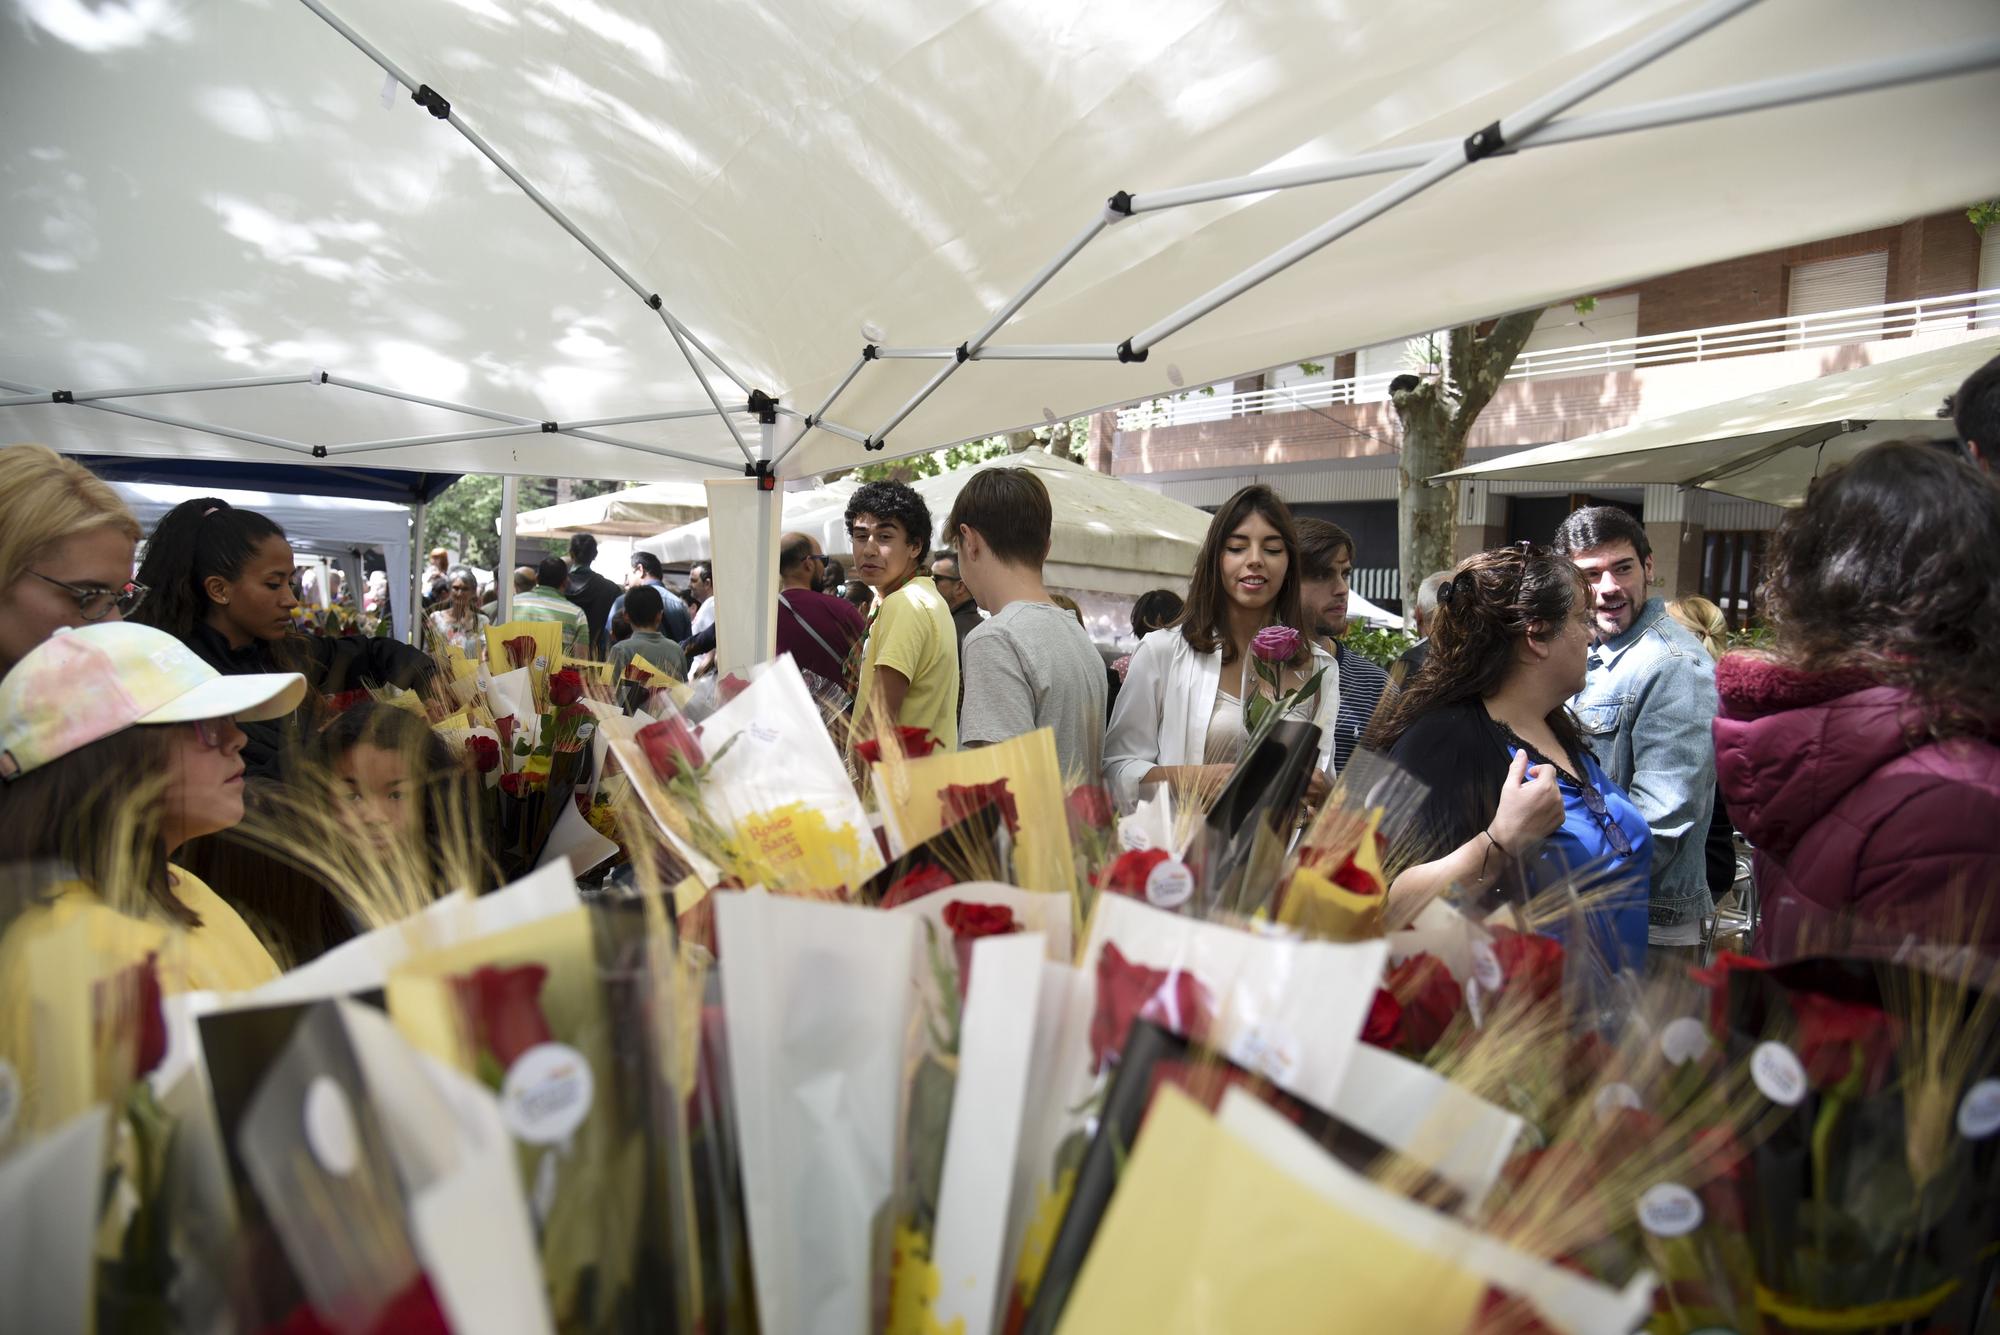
[[94, 602]]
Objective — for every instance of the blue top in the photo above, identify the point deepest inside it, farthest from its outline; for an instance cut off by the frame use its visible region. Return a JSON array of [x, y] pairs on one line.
[[1582, 845]]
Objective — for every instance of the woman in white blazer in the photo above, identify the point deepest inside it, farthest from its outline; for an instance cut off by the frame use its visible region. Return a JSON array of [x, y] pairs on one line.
[[1180, 710]]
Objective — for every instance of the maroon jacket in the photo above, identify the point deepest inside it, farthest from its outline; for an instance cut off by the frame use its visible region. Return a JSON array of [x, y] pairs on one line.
[[1864, 838]]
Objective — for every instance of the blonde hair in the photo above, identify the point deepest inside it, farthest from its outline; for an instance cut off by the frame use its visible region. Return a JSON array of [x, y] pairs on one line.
[[47, 498], [1705, 619]]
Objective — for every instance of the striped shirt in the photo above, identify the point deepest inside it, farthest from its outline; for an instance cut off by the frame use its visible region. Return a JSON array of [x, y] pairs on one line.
[[543, 603], [1362, 682]]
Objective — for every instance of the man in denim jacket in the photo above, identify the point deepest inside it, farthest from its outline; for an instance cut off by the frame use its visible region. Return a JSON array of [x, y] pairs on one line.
[[1647, 710]]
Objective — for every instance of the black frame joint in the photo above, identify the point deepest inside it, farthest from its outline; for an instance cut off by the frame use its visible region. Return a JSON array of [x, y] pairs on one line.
[[62, 396], [654, 301], [431, 100], [764, 406], [868, 351], [1484, 143], [549, 428], [1120, 203], [1125, 353], [964, 354], [761, 470], [872, 444], [319, 451]]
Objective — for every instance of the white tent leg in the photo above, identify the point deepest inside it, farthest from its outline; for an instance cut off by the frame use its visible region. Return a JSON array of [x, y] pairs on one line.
[[503, 578], [744, 518]]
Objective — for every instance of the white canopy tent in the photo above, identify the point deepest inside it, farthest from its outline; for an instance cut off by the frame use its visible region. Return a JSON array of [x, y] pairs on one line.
[[816, 213], [1767, 446], [330, 526], [806, 510], [632, 513]]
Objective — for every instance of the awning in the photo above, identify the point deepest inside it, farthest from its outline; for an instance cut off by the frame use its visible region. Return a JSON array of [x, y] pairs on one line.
[[1767, 446], [631, 513]]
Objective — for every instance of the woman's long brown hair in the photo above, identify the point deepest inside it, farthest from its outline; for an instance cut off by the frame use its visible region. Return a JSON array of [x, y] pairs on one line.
[[1492, 602], [97, 812], [1205, 619]]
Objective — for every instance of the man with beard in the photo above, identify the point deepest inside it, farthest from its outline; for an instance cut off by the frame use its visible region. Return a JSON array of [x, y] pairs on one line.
[[1647, 711], [1326, 559]]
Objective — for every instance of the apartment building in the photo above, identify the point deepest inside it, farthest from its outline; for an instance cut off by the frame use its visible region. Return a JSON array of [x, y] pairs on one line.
[[1323, 434]]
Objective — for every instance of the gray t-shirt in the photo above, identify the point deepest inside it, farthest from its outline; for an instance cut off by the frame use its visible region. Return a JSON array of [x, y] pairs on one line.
[[1032, 666]]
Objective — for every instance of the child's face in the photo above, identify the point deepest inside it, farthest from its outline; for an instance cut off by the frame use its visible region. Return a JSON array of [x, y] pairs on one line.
[[378, 799]]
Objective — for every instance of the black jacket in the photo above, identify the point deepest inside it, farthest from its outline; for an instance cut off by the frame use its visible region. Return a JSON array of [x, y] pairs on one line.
[[330, 665], [594, 594]]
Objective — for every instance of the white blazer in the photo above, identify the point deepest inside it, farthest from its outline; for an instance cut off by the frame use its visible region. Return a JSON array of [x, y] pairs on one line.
[[1163, 709]]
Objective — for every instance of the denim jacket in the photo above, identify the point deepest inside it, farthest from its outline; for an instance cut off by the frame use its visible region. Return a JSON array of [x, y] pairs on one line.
[[1647, 710]]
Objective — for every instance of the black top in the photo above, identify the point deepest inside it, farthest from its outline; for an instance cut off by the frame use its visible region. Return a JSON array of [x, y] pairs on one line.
[[594, 594], [1461, 755]]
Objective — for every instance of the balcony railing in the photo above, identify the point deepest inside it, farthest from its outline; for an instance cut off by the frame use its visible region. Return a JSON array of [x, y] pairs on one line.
[[1861, 324]]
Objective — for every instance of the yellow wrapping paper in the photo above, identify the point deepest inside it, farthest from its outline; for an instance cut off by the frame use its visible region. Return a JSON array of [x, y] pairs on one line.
[[1042, 857], [1321, 910], [547, 635], [1205, 1236], [459, 720], [661, 677], [600, 672]]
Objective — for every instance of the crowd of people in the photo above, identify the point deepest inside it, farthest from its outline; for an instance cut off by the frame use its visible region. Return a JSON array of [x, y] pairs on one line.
[[1564, 718]]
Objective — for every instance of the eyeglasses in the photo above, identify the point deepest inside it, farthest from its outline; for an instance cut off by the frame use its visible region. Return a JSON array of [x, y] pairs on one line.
[[1614, 834], [94, 602], [214, 731]]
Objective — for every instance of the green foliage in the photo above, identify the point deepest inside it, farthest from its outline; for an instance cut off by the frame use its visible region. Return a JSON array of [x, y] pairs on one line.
[[1585, 305], [1983, 215], [1383, 646], [1065, 438], [1311, 368], [463, 515], [1751, 637]]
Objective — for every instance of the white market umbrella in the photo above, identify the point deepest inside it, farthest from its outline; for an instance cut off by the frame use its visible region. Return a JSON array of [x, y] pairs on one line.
[[807, 510], [1360, 609], [1767, 446], [631, 513]]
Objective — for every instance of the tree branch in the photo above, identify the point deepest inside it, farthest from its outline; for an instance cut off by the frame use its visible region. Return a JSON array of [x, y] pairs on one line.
[[1484, 363]]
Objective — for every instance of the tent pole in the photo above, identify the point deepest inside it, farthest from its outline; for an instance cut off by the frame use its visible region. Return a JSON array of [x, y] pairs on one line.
[[1448, 163], [930, 388], [660, 450], [1040, 280], [140, 391], [275, 442], [1763, 95], [443, 438], [503, 578], [838, 390], [328, 378], [438, 107], [706, 387], [418, 560], [675, 415], [1008, 352]]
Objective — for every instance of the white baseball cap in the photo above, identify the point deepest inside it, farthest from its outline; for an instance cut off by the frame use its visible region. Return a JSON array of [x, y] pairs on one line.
[[86, 683]]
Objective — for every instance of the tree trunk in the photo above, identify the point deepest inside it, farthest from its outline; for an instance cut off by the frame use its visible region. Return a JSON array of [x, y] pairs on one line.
[[1436, 422]]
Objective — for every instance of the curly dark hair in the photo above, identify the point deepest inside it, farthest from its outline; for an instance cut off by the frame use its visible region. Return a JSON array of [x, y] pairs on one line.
[[897, 501], [1892, 567], [1493, 601]]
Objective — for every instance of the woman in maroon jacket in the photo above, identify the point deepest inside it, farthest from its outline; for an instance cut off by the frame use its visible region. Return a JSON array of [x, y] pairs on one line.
[[1859, 755]]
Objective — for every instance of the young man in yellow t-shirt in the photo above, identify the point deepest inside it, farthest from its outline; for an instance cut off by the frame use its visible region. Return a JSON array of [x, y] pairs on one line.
[[909, 670]]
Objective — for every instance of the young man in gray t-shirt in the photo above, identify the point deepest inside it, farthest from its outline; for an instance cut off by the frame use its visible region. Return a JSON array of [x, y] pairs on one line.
[[1031, 664]]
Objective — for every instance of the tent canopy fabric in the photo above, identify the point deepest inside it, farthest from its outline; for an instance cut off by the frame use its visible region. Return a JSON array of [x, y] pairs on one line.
[[363, 484], [631, 513], [204, 192], [1767, 446], [321, 525]]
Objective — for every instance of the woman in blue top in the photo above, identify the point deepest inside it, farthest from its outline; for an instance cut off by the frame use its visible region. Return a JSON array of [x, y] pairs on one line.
[[1516, 803]]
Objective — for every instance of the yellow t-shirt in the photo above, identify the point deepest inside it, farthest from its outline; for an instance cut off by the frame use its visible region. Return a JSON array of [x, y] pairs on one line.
[[913, 634], [221, 955]]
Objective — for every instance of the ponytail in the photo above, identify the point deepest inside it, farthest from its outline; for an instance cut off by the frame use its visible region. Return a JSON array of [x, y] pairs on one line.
[[198, 539]]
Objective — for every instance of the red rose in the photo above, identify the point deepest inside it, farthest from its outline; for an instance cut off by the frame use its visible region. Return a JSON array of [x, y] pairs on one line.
[[670, 746], [1354, 880], [565, 687], [1090, 807], [515, 784], [1385, 1020], [1530, 964], [965, 800], [502, 1009], [343, 701], [1716, 979], [1839, 1040], [485, 752], [505, 725], [968, 920], [1430, 998], [1127, 875], [924, 880], [1171, 998], [129, 1000], [520, 651], [914, 742]]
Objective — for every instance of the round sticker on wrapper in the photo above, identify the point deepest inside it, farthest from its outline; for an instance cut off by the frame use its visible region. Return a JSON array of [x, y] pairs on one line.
[[10, 1099], [546, 1094], [1978, 1111], [1616, 1096], [1133, 837], [1669, 1210], [330, 1133], [1779, 1074], [1486, 967], [1169, 885], [1683, 1041]]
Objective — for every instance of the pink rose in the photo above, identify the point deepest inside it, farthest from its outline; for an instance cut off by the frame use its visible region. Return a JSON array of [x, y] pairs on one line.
[[1275, 644]]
